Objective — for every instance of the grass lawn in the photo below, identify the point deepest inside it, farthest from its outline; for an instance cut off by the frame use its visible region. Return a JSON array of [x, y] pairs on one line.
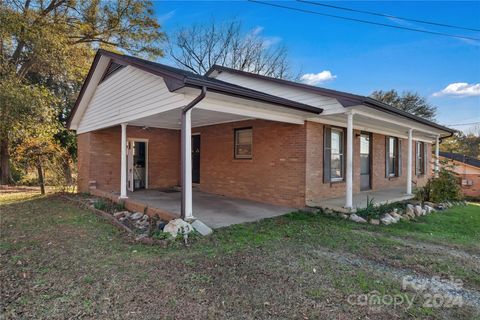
[[59, 261]]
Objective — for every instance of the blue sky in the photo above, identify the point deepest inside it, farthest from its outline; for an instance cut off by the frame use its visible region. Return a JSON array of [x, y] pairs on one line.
[[362, 58]]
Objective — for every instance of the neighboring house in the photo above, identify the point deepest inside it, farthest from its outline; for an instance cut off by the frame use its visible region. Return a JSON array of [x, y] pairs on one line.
[[468, 169], [141, 124]]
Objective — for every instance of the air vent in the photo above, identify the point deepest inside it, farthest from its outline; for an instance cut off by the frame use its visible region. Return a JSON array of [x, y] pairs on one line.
[[112, 68]]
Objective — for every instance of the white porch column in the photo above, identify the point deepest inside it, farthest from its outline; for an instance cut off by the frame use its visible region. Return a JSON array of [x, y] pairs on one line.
[[437, 151], [409, 161], [186, 210], [123, 161], [349, 169]]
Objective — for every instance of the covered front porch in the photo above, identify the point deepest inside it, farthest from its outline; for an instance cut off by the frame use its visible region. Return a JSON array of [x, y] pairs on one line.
[[215, 211]]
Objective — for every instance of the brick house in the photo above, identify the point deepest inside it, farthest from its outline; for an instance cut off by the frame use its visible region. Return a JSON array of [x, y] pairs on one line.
[[141, 124], [468, 171]]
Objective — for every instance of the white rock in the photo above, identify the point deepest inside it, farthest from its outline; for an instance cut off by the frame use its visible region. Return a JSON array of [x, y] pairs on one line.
[[395, 215], [174, 227], [136, 216], [387, 219], [424, 212], [410, 210], [428, 209], [358, 219], [201, 228], [375, 221], [418, 210]]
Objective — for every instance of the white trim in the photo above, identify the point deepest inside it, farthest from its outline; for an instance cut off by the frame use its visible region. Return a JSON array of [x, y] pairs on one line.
[[366, 128], [437, 151], [397, 122], [123, 163], [251, 112], [349, 166], [146, 157], [409, 161]]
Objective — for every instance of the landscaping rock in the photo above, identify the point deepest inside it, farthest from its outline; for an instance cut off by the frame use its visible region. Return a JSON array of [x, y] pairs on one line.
[[201, 228], [375, 221], [358, 219], [424, 212], [344, 216], [136, 216], [418, 210], [119, 214], [395, 215], [410, 210], [430, 204], [387, 219], [428, 209], [405, 217], [178, 226]]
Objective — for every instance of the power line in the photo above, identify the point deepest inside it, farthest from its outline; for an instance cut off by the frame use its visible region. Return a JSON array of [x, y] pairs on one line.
[[462, 124], [388, 15], [364, 21]]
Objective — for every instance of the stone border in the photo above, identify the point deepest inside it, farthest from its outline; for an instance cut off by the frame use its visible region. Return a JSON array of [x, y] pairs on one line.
[[135, 206], [113, 221]]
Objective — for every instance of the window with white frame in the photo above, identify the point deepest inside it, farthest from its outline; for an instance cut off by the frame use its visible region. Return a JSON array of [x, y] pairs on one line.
[[392, 153], [420, 158], [337, 155]]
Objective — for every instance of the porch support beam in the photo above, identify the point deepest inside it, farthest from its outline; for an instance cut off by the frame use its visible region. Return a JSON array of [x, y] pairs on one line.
[[187, 165], [409, 161], [349, 169], [437, 151], [186, 150], [123, 162]]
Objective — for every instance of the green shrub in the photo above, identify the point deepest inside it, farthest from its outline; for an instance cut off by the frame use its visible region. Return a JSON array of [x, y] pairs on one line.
[[100, 204], [443, 188], [373, 211]]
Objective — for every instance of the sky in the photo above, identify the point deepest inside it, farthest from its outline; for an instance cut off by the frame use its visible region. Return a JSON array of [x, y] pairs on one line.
[[360, 58]]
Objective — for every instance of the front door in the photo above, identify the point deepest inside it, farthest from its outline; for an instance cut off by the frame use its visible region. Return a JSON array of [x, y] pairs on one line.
[[196, 158], [365, 161], [137, 165]]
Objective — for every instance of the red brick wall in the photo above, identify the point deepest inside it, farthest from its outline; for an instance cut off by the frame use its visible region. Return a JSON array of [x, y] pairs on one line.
[[286, 169], [316, 190], [276, 174], [99, 157]]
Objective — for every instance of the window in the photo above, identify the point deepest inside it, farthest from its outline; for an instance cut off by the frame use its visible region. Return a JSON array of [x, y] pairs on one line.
[[243, 143], [392, 154], [393, 157], [420, 158], [337, 155]]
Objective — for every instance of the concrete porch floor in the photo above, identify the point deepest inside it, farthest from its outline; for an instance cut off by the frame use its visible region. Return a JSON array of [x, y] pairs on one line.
[[360, 199], [216, 211]]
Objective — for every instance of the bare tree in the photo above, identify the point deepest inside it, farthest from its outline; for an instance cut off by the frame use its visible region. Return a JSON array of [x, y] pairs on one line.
[[200, 46]]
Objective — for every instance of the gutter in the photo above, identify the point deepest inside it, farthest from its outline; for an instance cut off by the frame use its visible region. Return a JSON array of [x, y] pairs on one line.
[[195, 101]]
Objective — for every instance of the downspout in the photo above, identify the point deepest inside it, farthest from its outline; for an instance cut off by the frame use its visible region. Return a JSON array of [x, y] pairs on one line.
[[186, 205]]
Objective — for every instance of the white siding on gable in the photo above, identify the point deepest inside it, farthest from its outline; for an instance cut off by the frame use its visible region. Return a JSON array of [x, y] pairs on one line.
[[127, 95], [281, 90]]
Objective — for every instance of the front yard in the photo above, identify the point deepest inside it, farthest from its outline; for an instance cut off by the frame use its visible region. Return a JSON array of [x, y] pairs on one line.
[[59, 261]]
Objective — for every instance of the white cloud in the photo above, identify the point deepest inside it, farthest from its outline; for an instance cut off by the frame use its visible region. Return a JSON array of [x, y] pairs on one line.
[[314, 79], [460, 89]]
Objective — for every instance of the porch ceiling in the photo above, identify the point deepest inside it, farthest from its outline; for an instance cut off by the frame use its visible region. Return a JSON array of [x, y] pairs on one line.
[[200, 117]]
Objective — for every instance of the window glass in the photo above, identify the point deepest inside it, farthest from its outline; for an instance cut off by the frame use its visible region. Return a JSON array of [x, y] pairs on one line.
[[337, 158], [392, 156], [243, 143], [420, 156]]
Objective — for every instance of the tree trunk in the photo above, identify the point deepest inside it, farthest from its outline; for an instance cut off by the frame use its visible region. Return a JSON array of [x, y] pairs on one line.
[[67, 172], [4, 162], [41, 181]]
